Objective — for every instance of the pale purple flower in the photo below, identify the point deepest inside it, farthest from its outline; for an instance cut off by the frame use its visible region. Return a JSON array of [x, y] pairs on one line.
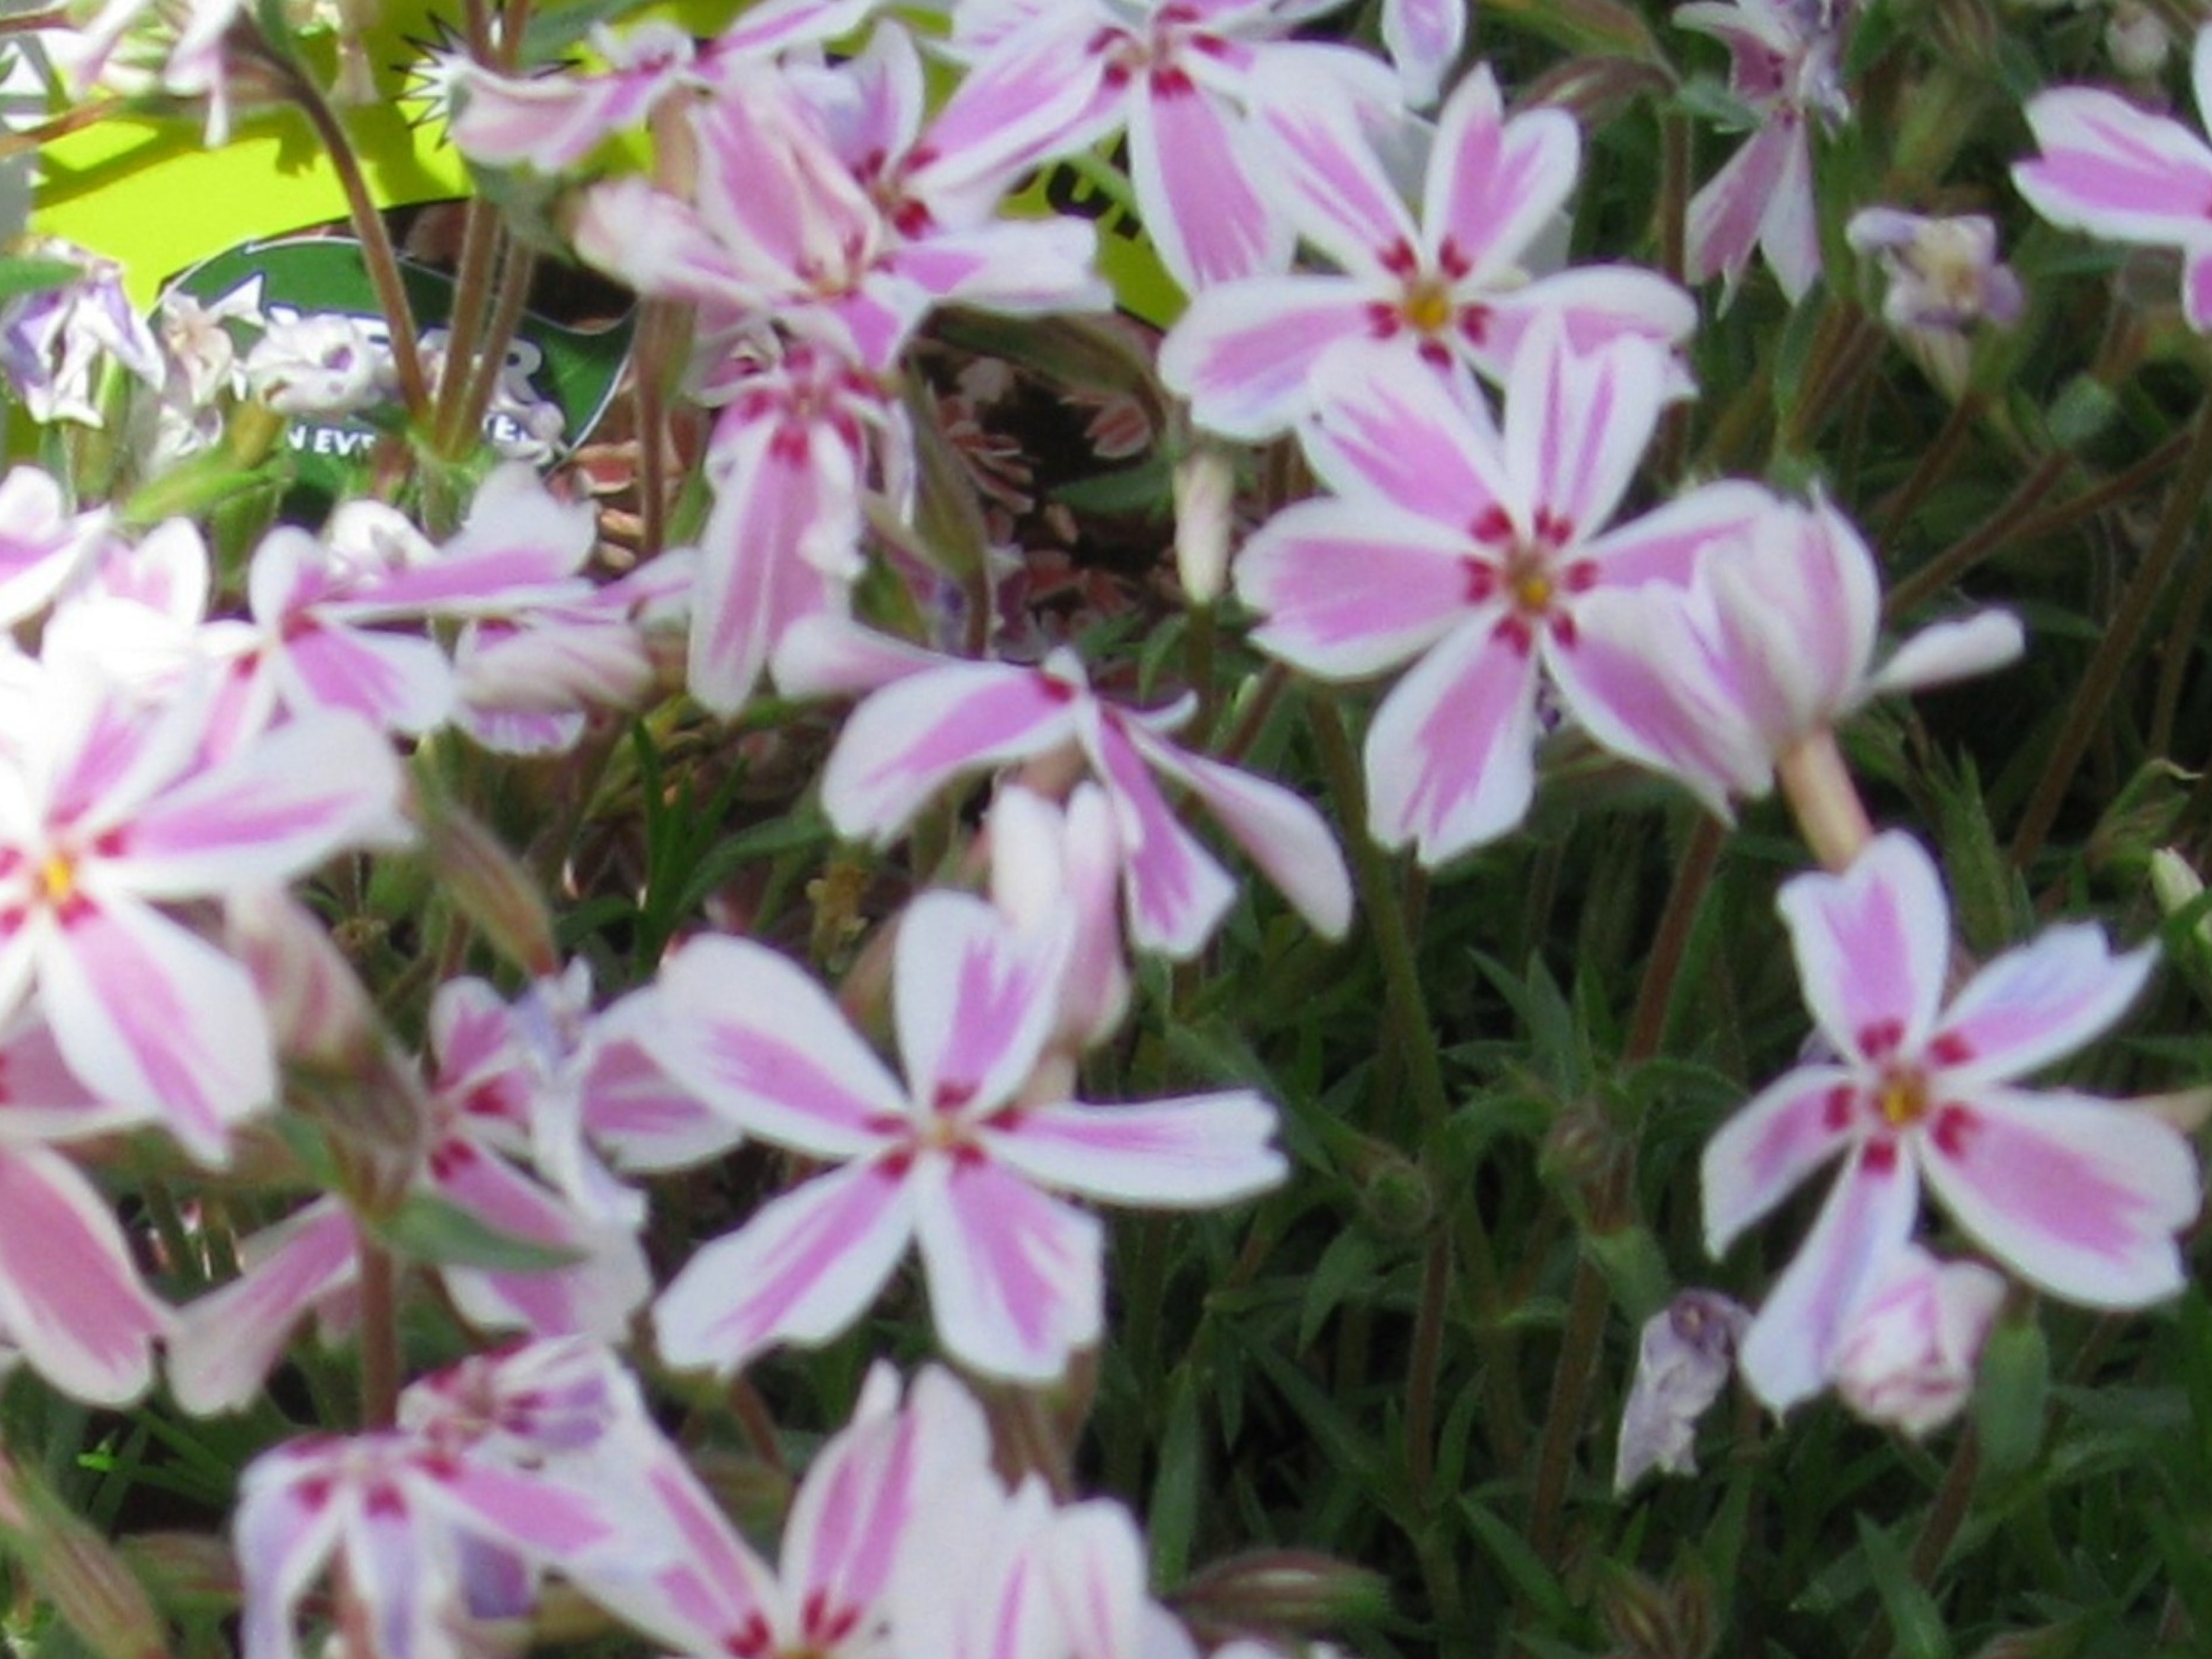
[[324, 363], [2113, 170], [1774, 642], [1683, 1358], [931, 719], [1785, 66], [2078, 1196], [54, 343], [1451, 291], [1472, 553], [1424, 37], [1944, 276], [957, 1160], [1907, 1353]]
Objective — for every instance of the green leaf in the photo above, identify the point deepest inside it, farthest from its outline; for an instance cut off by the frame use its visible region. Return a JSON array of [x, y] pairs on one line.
[[1177, 1490], [33, 274], [1521, 1564], [1913, 1619], [430, 1229], [2011, 1395]]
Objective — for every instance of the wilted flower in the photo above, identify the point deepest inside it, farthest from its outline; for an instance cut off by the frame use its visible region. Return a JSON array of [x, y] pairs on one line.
[[323, 364], [1944, 276], [1683, 1360], [54, 343]]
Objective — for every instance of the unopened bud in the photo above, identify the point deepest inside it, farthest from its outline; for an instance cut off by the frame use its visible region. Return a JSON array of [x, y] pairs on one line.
[[72, 1568], [1205, 504], [2138, 40], [1288, 1591], [490, 884], [1396, 1198]]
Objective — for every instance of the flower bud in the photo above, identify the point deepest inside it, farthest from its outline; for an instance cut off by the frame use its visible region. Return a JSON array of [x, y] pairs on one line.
[[1282, 1589], [1908, 1352], [1682, 1363], [1204, 503]]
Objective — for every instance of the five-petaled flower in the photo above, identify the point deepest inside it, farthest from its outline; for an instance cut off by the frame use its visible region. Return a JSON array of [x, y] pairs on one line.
[[2078, 1196], [956, 1160]]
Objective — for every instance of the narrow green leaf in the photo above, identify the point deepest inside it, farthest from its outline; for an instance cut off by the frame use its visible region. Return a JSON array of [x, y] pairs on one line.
[[428, 1228], [2011, 1395], [1531, 1579], [1913, 1619]]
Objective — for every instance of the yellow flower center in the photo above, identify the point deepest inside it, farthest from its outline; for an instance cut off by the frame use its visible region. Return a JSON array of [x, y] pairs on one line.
[[1427, 307], [57, 878], [1534, 591], [1902, 1099]]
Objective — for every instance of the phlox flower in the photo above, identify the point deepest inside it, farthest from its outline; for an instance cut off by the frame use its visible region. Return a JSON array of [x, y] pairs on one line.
[[1785, 64], [829, 245], [55, 343], [1907, 1354], [1451, 290], [933, 719], [1944, 276], [105, 815], [540, 1082], [1179, 78], [1774, 642], [405, 1516], [551, 122], [957, 1160], [2078, 1196], [1473, 552], [321, 605], [2111, 169], [1685, 1355]]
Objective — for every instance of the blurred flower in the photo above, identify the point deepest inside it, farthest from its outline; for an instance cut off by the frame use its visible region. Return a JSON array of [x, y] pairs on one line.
[[326, 363], [2078, 1196], [2111, 169], [54, 343], [1784, 65], [1944, 276], [1683, 1360], [1906, 1354]]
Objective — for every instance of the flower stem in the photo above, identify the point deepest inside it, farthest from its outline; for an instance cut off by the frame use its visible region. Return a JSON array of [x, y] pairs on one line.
[[1824, 800], [379, 1334], [376, 250], [2117, 644]]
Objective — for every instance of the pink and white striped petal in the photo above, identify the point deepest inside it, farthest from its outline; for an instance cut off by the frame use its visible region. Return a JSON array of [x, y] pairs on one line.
[[1389, 435], [2082, 1197], [594, 1296], [1727, 216], [1493, 183], [1665, 544], [660, 247], [1775, 1141], [69, 1297], [900, 748], [803, 1268], [1290, 841], [227, 1342], [1197, 177], [1577, 423], [397, 682], [2038, 1001], [974, 998], [1424, 37], [274, 809], [1636, 677], [1790, 1351], [1872, 945], [1177, 892], [2111, 169], [1186, 1153], [1016, 1278], [1329, 177], [1351, 587], [758, 1041], [1242, 353], [153, 1016], [285, 1528], [1450, 756], [781, 544]]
